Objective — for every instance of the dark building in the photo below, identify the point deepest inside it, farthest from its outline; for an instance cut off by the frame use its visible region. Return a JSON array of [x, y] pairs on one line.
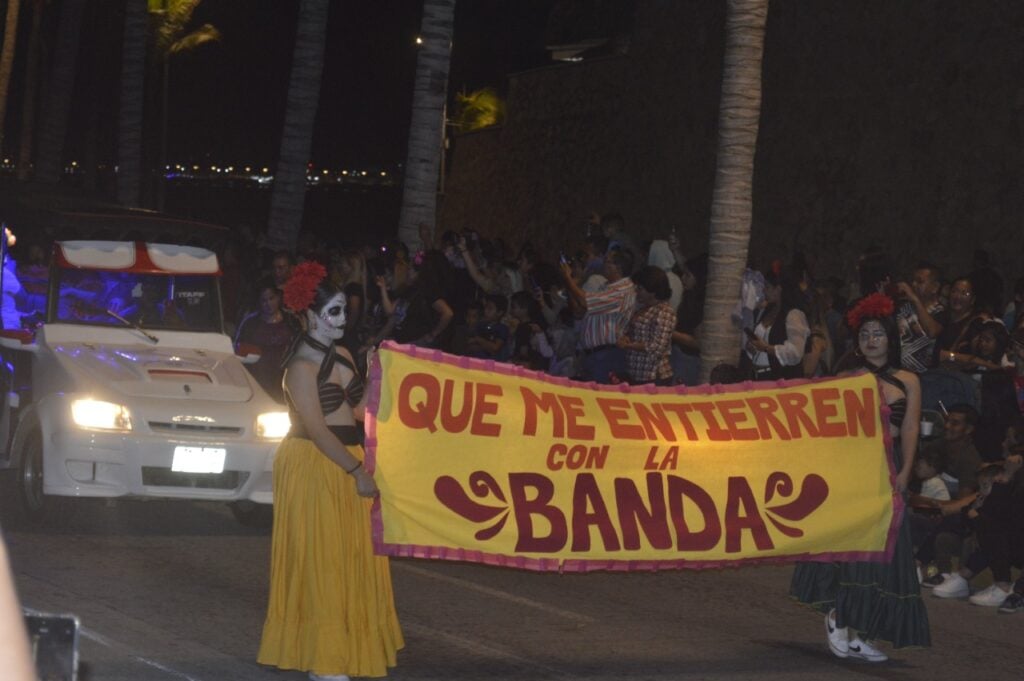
[[896, 124]]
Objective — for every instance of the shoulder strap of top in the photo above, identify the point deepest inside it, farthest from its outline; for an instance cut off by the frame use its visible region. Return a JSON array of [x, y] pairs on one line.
[[885, 374]]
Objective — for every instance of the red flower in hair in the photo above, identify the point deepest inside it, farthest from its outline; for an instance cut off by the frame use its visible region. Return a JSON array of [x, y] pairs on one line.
[[300, 289], [875, 306]]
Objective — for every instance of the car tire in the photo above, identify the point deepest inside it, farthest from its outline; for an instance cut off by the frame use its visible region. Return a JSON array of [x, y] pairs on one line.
[[36, 506], [251, 514]]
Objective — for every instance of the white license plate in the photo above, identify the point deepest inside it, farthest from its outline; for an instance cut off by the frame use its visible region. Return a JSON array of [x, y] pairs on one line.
[[199, 459]]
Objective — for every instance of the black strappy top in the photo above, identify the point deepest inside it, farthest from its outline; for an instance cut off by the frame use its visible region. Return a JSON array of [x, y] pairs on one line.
[[897, 408], [332, 395]]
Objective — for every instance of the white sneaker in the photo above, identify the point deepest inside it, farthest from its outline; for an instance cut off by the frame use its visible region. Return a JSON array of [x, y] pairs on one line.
[[838, 639], [328, 677], [863, 650], [993, 597], [953, 586]]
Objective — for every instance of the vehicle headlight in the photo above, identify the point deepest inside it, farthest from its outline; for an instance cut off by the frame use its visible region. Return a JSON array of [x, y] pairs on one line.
[[90, 413], [273, 425]]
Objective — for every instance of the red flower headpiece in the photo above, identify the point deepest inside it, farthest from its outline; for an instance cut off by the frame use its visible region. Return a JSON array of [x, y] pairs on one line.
[[300, 289], [876, 305]]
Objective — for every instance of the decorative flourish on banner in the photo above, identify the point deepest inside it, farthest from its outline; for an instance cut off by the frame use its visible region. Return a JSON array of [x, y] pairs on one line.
[[450, 493]]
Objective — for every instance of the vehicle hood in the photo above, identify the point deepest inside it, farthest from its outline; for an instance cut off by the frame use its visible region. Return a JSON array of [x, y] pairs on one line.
[[163, 372]]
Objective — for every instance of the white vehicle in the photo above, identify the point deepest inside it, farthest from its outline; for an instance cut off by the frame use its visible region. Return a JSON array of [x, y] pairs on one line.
[[130, 387]]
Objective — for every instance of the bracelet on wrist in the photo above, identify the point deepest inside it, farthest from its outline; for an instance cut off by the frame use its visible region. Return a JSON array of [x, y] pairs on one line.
[[354, 468]]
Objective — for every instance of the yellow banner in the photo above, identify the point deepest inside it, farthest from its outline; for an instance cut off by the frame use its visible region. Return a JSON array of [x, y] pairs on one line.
[[486, 462]]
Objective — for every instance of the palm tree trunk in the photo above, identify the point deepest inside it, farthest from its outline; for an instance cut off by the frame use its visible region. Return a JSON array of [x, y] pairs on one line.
[[732, 201], [7, 60], [28, 106], [129, 122], [289, 193], [426, 127], [59, 88]]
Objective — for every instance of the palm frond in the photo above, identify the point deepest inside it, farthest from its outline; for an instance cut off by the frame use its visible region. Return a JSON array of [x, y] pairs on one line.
[[478, 109], [206, 33]]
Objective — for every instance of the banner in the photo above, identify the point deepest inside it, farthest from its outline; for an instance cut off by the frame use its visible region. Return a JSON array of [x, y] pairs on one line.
[[487, 462]]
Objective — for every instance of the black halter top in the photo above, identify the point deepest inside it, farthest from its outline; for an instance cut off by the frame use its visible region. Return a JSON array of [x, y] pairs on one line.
[[332, 395], [897, 408]]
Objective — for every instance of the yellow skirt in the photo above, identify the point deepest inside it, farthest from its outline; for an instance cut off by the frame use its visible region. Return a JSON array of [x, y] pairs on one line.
[[331, 607]]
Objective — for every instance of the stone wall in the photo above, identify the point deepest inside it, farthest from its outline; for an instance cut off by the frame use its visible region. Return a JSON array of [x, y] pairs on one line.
[[893, 123]]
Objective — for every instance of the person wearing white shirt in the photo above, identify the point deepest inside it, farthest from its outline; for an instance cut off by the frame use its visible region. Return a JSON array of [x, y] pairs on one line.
[[775, 346]]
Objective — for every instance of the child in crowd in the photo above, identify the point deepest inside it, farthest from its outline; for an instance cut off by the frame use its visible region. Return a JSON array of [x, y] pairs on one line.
[[528, 335], [930, 490], [490, 339], [466, 327], [930, 463]]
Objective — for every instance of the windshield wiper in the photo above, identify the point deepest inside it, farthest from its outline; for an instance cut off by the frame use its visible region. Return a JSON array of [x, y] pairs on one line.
[[135, 326]]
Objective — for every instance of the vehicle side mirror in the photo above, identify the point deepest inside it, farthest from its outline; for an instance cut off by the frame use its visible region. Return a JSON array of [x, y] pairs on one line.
[[248, 353], [18, 339]]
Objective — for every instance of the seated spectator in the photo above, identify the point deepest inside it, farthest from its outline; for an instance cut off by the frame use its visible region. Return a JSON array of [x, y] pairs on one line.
[[528, 335], [917, 318], [927, 490], [960, 322], [998, 515], [466, 327], [959, 472], [272, 330], [927, 471], [648, 336], [490, 339]]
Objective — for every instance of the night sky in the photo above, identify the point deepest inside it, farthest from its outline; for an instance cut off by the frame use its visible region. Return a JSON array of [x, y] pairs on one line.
[[228, 98]]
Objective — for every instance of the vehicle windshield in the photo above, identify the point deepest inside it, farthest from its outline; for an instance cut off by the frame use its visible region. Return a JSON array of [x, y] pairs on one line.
[[153, 301]]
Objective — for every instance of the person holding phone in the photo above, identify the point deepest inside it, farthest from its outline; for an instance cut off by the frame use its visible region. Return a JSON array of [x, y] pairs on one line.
[[775, 345], [605, 314]]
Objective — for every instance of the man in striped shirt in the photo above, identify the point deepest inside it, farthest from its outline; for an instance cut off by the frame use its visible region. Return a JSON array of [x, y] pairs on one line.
[[605, 313]]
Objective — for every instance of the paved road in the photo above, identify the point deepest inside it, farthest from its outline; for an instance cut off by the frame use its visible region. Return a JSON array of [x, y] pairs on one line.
[[173, 591]]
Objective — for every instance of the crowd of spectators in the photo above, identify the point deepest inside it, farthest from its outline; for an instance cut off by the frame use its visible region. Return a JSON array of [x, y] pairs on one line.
[[617, 311]]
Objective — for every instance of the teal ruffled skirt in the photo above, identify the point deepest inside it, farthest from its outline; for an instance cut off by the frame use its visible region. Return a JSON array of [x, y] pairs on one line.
[[881, 601]]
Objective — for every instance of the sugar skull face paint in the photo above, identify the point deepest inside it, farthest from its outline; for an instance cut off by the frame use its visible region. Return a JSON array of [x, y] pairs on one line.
[[329, 323]]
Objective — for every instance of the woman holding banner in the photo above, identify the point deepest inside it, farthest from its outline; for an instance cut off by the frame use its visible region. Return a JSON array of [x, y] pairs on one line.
[[878, 601], [331, 609]]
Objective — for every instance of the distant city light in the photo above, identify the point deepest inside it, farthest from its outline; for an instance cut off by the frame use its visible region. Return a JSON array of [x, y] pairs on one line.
[[419, 40], [266, 170]]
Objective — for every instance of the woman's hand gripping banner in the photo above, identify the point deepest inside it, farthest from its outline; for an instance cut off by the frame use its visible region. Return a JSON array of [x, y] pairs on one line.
[[486, 462]]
